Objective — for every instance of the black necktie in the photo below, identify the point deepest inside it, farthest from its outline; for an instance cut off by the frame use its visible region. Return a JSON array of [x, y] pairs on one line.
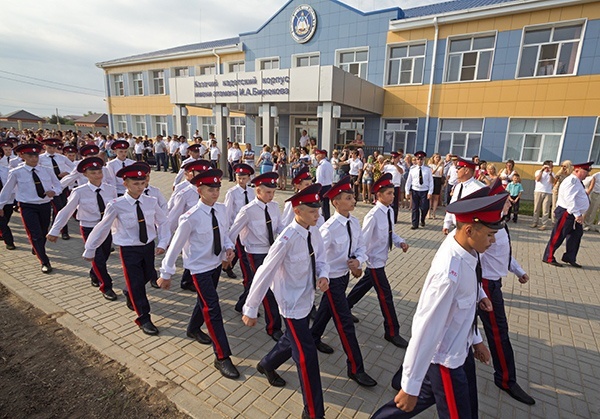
[[350, 237], [420, 175], [39, 188], [479, 275], [313, 263], [146, 191], [55, 166], [1, 185], [141, 223], [245, 197], [390, 228], [101, 206], [269, 225], [216, 234], [459, 191], [123, 164], [509, 245]]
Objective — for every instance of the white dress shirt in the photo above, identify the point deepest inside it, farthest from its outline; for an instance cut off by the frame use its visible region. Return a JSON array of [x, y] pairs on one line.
[[16, 162], [121, 216], [468, 187], [250, 224], [139, 148], [113, 167], [183, 149], [176, 190], [325, 173], [234, 154], [186, 199], [4, 178], [215, 153], [287, 271], [20, 180], [63, 162], [288, 215], [452, 174], [235, 200], [77, 179], [156, 193], [396, 175], [194, 240], [173, 146], [572, 196], [356, 166], [83, 199], [545, 183], [412, 182], [180, 175], [494, 262], [337, 243], [375, 235], [7, 160]]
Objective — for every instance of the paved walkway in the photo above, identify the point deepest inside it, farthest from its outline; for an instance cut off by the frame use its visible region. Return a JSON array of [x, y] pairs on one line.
[[554, 322]]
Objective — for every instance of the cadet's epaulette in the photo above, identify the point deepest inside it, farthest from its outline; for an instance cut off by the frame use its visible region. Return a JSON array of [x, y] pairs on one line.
[[454, 269], [286, 235]]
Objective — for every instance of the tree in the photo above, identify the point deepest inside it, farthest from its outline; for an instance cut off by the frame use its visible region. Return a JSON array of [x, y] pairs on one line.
[[61, 120]]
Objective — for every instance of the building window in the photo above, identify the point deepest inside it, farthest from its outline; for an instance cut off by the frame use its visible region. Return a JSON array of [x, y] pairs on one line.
[[236, 67], [306, 60], [461, 137], [354, 61], [269, 63], [158, 82], [400, 134], [160, 125], [208, 69], [237, 129], [348, 128], [534, 140], [470, 58], [405, 65], [119, 85], [182, 72], [121, 123], [138, 84], [139, 125], [595, 153], [208, 125], [550, 50]]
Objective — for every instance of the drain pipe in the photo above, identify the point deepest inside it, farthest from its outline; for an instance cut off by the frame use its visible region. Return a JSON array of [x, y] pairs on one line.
[[218, 67], [433, 62]]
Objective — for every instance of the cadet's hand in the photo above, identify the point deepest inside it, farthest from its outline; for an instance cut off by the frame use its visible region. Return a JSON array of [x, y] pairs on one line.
[[353, 264], [481, 353], [159, 251], [50, 194], [404, 247], [323, 284], [445, 231], [405, 401], [356, 273], [524, 279], [579, 219], [428, 196], [229, 254], [89, 259], [51, 238], [248, 321], [165, 284], [62, 175], [1, 213], [486, 304]]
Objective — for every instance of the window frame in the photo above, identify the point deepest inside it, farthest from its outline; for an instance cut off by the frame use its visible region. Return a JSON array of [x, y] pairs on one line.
[[560, 143], [439, 133], [202, 69], [116, 83], [176, 69], [402, 121], [134, 81], [158, 79], [156, 124], [230, 64], [308, 55], [144, 131], [237, 129], [121, 119], [357, 127], [339, 52], [388, 59], [472, 37], [595, 135], [261, 61]]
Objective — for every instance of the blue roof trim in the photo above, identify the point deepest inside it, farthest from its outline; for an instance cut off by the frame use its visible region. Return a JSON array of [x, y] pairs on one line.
[[451, 6]]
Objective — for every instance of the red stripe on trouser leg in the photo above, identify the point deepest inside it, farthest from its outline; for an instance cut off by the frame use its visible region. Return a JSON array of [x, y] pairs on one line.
[[386, 312], [128, 284], [303, 371], [251, 260], [29, 237], [269, 317], [497, 338], [449, 392], [554, 238], [207, 320], [341, 332], [94, 266]]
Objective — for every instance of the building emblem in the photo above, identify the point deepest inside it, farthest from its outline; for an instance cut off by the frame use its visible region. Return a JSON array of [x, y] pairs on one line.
[[303, 23]]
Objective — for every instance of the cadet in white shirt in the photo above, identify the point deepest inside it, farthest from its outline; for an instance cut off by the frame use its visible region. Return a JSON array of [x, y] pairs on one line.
[[302, 180], [173, 149], [7, 235], [257, 225], [76, 178], [324, 176], [120, 147], [294, 268], [215, 153], [379, 236], [466, 185], [571, 206], [196, 151], [419, 185], [234, 157], [396, 170], [89, 200], [8, 156], [135, 219], [202, 240]]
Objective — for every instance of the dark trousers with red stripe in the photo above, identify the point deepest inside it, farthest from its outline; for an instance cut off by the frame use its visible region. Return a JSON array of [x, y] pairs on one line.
[[453, 391], [565, 227], [36, 219], [334, 304], [7, 235], [58, 203], [297, 343], [138, 269], [396, 203], [99, 271], [208, 310], [272, 317], [378, 279], [242, 257], [419, 206], [496, 331]]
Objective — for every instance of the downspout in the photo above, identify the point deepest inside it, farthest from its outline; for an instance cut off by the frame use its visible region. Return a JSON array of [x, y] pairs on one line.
[[218, 68], [433, 62]]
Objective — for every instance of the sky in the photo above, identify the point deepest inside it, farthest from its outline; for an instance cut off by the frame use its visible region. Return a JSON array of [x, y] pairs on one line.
[[49, 49]]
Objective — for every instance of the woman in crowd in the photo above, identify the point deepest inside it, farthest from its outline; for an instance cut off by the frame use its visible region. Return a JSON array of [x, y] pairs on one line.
[[367, 179], [507, 173], [437, 168], [492, 175], [566, 168]]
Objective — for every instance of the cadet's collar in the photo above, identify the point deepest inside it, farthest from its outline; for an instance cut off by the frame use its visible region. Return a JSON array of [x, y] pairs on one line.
[[259, 203], [204, 207], [92, 187], [131, 199], [339, 217], [466, 182], [301, 230], [469, 258], [382, 207]]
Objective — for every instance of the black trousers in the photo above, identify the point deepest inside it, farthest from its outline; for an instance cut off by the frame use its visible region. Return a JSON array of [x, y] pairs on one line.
[[334, 304], [138, 269], [396, 202], [230, 166], [174, 163], [7, 235], [513, 211], [99, 270], [161, 160], [36, 219], [208, 310], [325, 202], [565, 227], [419, 206], [58, 203]]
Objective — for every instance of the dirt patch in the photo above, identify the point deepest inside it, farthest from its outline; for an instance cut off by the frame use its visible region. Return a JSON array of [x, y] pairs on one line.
[[47, 372]]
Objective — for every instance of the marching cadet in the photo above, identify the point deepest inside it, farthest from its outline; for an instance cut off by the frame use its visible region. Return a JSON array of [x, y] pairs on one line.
[[257, 225], [153, 191], [201, 238], [135, 219], [77, 178], [571, 206], [302, 180], [324, 176], [7, 235], [439, 365], [379, 242], [120, 147], [394, 168], [496, 262], [419, 186], [195, 153], [235, 198], [61, 166], [89, 200], [467, 184], [35, 187], [71, 153], [345, 251], [8, 155], [294, 268], [199, 165]]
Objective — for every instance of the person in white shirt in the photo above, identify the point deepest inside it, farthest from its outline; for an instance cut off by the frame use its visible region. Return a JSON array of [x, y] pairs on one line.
[[119, 162], [324, 177], [202, 240], [356, 166], [419, 184], [138, 149], [593, 191], [183, 148], [304, 139], [542, 195], [7, 235], [234, 157], [294, 268], [75, 178], [396, 170], [160, 152], [8, 155], [215, 154], [451, 174], [195, 151], [302, 180], [571, 207], [173, 150]]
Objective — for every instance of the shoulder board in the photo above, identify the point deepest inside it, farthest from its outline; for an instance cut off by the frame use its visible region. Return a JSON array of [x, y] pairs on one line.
[[454, 269], [286, 235]]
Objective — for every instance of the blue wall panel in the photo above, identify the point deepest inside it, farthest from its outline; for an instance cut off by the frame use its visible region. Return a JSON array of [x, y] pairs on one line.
[[494, 136], [578, 139]]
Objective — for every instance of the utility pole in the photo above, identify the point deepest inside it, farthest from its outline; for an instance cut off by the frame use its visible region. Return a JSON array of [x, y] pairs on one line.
[[57, 119]]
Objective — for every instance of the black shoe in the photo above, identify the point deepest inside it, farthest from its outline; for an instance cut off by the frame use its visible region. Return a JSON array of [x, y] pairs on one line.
[[363, 379], [554, 263], [94, 282], [149, 328], [274, 379], [65, 236], [414, 227], [397, 340], [128, 300], [230, 273], [276, 335], [188, 286], [422, 223], [517, 393], [199, 336], [325, 348], [46, 269], [112, 249], [154, 283], [226, 368], [109, 295], [10, 247], [354, 318], [573, 264]]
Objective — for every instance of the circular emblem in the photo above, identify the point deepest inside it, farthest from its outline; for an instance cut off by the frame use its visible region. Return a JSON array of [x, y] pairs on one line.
[[215, 180], [94, 164], [303, 23], [139, 173], [317, 197]]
